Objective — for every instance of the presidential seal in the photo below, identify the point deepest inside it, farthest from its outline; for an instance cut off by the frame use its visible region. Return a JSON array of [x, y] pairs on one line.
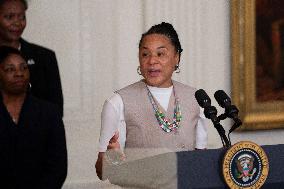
[[245, 165]]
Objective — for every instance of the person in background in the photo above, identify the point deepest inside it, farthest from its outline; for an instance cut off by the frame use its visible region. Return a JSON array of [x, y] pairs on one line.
[[156, 112], [44, 73], [32, 138]]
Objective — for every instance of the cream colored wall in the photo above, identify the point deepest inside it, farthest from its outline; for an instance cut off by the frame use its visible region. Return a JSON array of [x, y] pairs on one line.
[[96, 42]]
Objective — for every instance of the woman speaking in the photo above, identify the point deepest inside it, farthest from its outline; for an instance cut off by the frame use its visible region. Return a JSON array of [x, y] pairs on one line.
[[156, 112]]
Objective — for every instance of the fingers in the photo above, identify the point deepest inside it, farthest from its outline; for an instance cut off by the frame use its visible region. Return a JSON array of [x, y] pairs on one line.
[[114, 142], [114, 138], [114, 146]]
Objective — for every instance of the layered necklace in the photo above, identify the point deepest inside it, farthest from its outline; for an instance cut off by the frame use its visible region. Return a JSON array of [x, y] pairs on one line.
[[164, 123]]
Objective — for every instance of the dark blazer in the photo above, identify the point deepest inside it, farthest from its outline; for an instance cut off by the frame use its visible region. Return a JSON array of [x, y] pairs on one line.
[[44, 73], [33, 152]]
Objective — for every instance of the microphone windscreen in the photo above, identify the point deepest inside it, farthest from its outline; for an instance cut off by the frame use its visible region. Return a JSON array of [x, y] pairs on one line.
[[202, 98], [222, 98]]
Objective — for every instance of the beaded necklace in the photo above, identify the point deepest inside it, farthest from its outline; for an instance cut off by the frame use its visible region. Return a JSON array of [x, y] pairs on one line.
[[164, 123]]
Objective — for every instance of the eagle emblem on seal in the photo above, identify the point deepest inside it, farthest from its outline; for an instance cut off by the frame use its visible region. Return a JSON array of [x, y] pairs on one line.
[[245, 170]]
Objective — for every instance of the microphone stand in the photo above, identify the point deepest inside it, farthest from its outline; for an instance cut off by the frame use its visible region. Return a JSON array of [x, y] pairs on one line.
[[222, 134], [211, 112], [237, 123]]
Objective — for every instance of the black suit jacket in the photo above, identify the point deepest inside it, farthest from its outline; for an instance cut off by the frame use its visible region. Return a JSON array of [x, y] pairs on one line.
[[44, 73], [33, 152]]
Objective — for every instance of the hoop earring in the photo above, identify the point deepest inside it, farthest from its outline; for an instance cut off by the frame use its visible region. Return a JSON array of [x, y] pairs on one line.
[[177, 69], [138, 70]]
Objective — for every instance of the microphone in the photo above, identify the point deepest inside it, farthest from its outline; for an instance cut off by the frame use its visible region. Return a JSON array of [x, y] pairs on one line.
[[231, 111], [210, 112], [204, 101], [202, 98]]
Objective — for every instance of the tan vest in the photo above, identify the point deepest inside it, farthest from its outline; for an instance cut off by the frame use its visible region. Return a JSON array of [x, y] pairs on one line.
[[142, 128]]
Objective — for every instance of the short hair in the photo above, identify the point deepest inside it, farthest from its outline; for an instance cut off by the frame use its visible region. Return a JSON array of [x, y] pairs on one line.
[[6, 51], [24, 2], [167, 30]]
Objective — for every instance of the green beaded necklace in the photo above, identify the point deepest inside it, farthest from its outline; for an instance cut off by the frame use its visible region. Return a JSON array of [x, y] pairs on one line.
[[164, 123]]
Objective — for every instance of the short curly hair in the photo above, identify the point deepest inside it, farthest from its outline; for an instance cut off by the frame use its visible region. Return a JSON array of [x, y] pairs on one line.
[[25, 3], [6, 51]]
